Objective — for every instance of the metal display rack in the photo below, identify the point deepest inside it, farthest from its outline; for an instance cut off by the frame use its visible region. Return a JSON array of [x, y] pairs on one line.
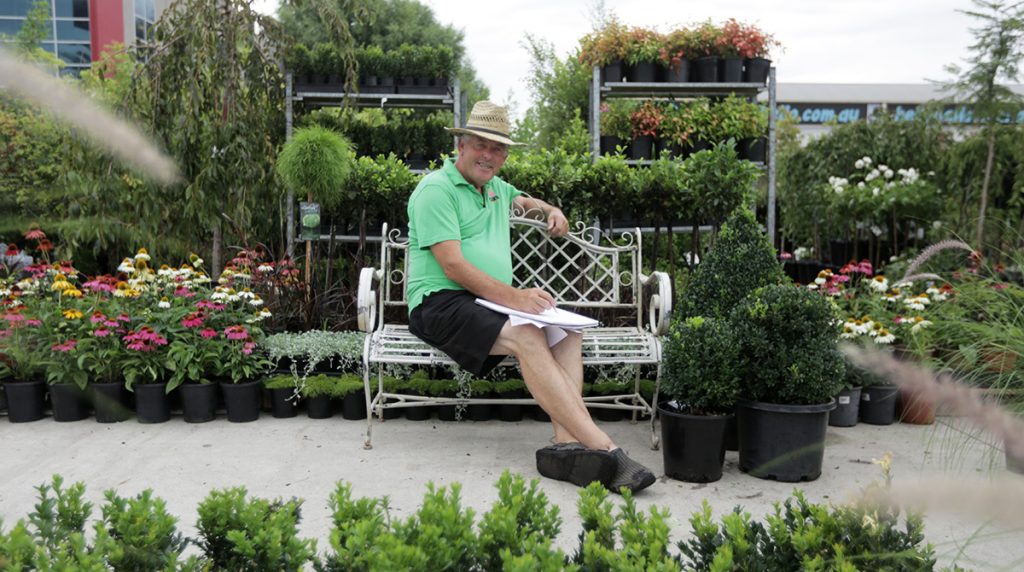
[[663, 91], [453, 99]]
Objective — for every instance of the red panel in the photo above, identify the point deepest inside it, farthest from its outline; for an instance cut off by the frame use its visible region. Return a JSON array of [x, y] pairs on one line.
[[106, 24]]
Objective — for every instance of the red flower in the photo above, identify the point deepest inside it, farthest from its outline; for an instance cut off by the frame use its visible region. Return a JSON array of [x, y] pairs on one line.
[[45, 245], [12, 249], [35, 233]]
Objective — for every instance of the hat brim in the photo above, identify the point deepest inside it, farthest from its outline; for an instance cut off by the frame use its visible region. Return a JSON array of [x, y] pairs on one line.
[[497, 137]]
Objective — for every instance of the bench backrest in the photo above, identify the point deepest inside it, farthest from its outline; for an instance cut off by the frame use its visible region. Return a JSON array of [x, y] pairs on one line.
[[573, 269]]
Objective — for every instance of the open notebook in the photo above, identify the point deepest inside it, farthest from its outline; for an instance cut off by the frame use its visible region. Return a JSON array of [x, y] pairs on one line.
[[554, 321]]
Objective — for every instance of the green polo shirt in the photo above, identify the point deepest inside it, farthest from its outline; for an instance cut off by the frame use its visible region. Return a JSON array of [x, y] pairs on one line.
[[445, 206]]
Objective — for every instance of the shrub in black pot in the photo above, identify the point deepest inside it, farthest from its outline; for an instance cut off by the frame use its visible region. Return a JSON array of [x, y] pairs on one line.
[[483, 389], [284, 399], [352, 393], [878, 399], [789, 369], [510, 389], [319, 392], [699, 392], [419, 384]]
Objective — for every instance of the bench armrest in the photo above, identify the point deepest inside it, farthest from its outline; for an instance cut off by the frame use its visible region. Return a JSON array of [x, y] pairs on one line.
[[366, 301], [660, 305]]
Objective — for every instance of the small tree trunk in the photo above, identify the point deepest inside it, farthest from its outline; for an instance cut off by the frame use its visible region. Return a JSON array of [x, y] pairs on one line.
[[980, 235], [215, 255]]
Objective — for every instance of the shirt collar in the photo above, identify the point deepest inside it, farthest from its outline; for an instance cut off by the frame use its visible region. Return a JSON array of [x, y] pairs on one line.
[[457, 179]]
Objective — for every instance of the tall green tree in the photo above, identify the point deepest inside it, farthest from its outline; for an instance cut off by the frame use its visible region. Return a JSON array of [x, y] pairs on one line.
[[995, 57], [560, 89], [384, 23]]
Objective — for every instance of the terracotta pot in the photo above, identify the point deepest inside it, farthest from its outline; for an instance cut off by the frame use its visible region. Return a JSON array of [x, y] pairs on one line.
[[916, 408]]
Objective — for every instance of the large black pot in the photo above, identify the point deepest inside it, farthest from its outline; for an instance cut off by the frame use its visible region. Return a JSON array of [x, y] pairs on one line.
[[152, 404], [756, 70], [705, 70], [693, 446], [69, 402], [642, 72], [782, 442], [320, 407], [110, 401], [283, 404], [242, 400], [25, 400], [754, 149], [847, 408], [480, 411], [353, 406], [641, 147], [678, 73], [612, 72], [511, 412], [732, 434], [198, 402], [878, 404], [609, 144], [731, 70]]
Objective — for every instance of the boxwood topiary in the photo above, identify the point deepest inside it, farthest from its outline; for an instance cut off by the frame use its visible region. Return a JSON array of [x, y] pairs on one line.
[[741, 261], [700, 366], [785, 339], [332, 386]]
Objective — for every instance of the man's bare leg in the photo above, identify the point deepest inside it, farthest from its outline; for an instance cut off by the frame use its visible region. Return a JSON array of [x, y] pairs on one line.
[[556, 390], [568, 353]]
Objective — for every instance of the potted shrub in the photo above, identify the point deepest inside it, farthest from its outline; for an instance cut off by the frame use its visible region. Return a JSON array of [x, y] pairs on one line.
[[789, 369], [241, 365], [728, 44], [747, 123], [444, 68], [284, 395], [299, 62], [318, 161], [350, 391], [405, 61], [616, 127], [606, 48], [21, 367], [479, 411], [673, 56], [419, 384], [510, 389], [704, 46], [677, 129], [326, 64], [641, 55], [645, 120], [319, 392], [371, 70], [698, 386]]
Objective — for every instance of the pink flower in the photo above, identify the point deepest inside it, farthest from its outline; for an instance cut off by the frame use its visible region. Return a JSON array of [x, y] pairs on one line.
[[842, 278], [996, 286], [5, 334], [144, 340], [208, 333], [124, 318], [97, 317], [248, 347], [236, 332], [98, 285], [209, 305], [65, 347], [101, 332], [785, 256], [898, 320], [14, 317], [184, 292], [193, 320], [35, 234], [110, 323], [139, 346], [33, 322]]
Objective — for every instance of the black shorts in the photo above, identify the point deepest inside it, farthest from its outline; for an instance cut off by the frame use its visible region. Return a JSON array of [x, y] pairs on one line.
[[452, 321]]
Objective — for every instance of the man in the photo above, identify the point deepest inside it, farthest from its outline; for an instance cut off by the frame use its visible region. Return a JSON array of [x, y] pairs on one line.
[[459, 251]]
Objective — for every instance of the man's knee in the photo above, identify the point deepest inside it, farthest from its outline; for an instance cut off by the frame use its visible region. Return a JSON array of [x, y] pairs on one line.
[[525, 340]]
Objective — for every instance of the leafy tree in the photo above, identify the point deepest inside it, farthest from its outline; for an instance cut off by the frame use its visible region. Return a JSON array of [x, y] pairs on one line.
[[387, 24], [560, 90], [995, 56]]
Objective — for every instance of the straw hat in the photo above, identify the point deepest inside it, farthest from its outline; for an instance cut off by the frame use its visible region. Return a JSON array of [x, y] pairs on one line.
[[488, 121]]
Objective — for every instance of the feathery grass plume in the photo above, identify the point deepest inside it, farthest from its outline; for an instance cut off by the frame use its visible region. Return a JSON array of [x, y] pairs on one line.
[[998, 499], [944, 389], [921, 276], [75, 108], [932, 251]]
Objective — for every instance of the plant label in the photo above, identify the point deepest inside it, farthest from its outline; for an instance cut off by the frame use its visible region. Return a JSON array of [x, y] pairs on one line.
[[844, 400]]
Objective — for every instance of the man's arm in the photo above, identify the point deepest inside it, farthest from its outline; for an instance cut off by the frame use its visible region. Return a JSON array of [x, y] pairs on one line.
[[459, 270], [558, 225]]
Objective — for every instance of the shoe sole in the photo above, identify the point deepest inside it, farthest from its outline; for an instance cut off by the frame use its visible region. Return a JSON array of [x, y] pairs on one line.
[[577, 466]]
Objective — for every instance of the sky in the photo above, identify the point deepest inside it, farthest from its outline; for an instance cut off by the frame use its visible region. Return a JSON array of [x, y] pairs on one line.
[[823, 41]]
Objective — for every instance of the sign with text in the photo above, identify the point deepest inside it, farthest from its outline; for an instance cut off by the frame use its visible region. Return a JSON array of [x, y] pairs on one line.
[[820, 113]]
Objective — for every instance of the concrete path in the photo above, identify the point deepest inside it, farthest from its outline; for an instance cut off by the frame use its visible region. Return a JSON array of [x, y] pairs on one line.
[[304, 458]]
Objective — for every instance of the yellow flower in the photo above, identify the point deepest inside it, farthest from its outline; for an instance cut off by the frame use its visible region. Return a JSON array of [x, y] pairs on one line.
[[73, 292], [72, 314], [60, 286]]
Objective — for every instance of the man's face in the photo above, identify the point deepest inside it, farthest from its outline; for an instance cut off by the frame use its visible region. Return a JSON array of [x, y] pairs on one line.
[[480, 159]]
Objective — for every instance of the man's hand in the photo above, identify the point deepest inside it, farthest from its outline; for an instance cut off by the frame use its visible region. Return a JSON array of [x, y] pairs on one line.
[[558, 225], [532, 300]]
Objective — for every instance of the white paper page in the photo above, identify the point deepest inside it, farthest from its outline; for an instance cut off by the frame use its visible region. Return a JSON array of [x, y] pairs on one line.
[[552, 316]]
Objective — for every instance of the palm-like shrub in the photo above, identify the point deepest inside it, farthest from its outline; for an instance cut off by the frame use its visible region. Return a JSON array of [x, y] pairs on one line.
[[317, 160]]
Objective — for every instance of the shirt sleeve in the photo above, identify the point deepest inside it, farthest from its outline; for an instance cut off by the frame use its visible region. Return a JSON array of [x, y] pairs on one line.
[[434, 214]]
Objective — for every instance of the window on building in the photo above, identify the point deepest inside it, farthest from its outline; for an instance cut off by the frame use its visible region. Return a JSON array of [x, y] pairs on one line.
[[67, 35], [145, 16]]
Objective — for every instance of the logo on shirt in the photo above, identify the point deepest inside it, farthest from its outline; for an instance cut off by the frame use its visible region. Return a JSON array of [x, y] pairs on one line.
[[491, 196]]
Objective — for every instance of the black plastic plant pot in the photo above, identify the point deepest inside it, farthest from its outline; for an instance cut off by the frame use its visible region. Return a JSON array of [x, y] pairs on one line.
[[283, 404], [755, 70], [198, 402], [353, 406], [754, 149], [782, 442], [692, 446], [538, 414], [609, 144], [878, 404], [479, 411], [320, 407], [605, 414], [847, 408], [642, 72], [510, 412], [641, 147], [678, 73], [25, 400], [705, 70], [242, 400], [152, 404], [612, 72], [110, 401], [731, 70], [732, 434], [69, 402]]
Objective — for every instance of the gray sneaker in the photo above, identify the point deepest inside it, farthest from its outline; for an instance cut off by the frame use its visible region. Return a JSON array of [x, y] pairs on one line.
[[576, 464], [630, 474]]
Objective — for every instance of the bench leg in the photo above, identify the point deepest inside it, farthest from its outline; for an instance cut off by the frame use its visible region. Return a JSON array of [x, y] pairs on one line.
[[366, 394], [655, 438]]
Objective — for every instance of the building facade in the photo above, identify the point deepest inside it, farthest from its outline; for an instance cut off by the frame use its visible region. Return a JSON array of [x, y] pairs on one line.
[[79, 30]]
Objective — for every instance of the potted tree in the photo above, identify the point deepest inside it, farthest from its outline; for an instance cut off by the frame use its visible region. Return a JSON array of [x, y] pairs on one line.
[[21, 367], [646, 120], [673, 56], [789, 369], [616, 127], [606, 48], [704, 47], [641, 55], [699, 385]]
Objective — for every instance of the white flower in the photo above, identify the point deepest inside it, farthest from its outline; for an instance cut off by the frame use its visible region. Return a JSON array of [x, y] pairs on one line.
[[15, 303], [879, 283], [919, 324], [917, 302], [875, 191], [888, 173], [801, 252], [937, 224], [233, 297], [892, 295], [4, 292], [142, 255], [872, 175], [256, 301], [860, 185], [198, 261], [163, 304], [812, 286], [876, 230], [265, 268], [218, 295], [126, 266], [848, 333], [859, 164], [265, 313], [166, 273], [884, 337], [867, 160]]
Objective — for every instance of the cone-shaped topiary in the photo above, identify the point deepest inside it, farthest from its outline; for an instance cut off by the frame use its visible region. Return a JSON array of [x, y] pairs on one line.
[[317, 160], [741, 261]]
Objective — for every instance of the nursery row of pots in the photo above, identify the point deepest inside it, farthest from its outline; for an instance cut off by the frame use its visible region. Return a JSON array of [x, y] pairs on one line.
[[373, 84], [710, 69], [647, 147]]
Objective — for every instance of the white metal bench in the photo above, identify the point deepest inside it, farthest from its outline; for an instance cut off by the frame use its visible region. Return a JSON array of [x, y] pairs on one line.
[[580, 275]]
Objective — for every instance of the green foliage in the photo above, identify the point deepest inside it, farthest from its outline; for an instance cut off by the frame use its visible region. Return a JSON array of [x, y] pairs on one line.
[[805, 536], [238, 533], [509, 385], [343, 351], [552, 175], [138, 533], [318, 161], [718, 181], [382, 185], [615, 116], [741, 261], [699, 363], [786, 339], [559, 88], [332, 386], [644, 541], [441, 530], [611, 185], [521, 520], [280, 381]]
